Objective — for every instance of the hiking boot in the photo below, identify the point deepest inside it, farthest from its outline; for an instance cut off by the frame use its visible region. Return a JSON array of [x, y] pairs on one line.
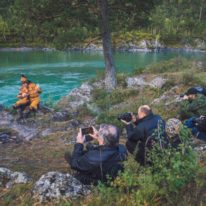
[[14, 106]]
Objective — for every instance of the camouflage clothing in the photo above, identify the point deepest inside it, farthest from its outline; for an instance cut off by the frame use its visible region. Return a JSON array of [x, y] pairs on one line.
[[173, 127], [194, 108]]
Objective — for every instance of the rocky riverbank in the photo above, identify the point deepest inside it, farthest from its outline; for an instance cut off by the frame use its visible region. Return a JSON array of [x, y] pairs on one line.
[[144, 45], [35, 146]]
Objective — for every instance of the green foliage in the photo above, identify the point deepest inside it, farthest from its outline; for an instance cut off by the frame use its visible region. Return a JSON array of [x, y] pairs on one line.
[[138, 71], [190, 79], [175, 20], [159, 183], [133, 36], [193, 109], [69, 38], [83, 111], [66, 23], [172, 65], [105, 99], [121, 80]]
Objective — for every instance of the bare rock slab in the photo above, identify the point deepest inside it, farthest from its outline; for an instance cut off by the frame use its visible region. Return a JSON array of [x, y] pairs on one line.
[[55, 185], [8, 178]]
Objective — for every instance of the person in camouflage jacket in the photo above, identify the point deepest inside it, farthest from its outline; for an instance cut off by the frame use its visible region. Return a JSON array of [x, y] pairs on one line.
[[193, 107]]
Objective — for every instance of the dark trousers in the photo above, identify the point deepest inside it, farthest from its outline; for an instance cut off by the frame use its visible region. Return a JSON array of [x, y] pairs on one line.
[[137, 149], [84, 178], [191, 124]]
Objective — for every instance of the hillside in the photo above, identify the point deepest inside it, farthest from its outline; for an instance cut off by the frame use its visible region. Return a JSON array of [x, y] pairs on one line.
[[37, 145]]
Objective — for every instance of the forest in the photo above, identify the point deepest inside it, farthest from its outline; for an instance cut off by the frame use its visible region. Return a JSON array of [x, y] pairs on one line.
[[64, 23]]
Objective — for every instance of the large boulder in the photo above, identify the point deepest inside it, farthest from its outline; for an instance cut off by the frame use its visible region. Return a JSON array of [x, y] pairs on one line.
[[55, 185], [8, 136], [9, 178], [140, 81], [25, 130], [169, 97], [61, 116], [77, 97]]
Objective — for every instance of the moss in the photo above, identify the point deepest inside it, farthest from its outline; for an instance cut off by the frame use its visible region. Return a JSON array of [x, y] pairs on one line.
[[172, 65]]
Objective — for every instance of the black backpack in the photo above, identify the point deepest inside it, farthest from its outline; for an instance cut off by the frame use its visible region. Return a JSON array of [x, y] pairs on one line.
[[201, 90], [201, 123]]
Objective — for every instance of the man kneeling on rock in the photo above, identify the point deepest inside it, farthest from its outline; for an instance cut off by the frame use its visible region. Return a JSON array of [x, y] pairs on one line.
[[97, 162]]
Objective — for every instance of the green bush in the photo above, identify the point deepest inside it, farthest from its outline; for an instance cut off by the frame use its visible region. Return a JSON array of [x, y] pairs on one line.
[[105, 99], [172, 65], [190, 79], [159, 183], [138, 71]]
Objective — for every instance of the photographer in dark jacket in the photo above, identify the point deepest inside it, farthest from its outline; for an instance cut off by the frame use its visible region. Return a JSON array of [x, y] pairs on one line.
[[140, 130], [98, 162]]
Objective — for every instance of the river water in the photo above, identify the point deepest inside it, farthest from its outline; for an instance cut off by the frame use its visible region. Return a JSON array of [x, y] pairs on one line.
[[58, 72]]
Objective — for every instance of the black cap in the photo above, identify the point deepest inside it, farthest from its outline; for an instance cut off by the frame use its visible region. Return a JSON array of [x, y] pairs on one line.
[[191, 91]]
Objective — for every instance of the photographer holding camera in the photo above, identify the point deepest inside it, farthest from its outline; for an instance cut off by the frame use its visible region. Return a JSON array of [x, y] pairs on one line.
[[140, 130], [100, 161], [194, 103]]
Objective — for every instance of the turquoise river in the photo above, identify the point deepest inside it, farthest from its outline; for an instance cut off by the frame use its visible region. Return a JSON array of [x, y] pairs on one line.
[[58, 72]]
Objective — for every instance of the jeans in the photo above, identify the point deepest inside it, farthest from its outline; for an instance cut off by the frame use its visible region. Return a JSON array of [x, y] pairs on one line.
[[190, 123]]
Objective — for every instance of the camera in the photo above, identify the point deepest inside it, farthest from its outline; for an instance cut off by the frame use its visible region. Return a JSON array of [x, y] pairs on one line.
[[125, 116], [87, 130], [200, 123]]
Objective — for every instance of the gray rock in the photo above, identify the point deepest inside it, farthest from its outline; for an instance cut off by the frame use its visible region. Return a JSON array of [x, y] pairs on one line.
[[93, 47], [77, 97], [136, 82], [5, 137], [73, 124], [158, 82], [133, 82], [9, 178], [55, 185], [61, 116], [46, 132], [169, 97], [93, 108], [8, 136], [25, 130], [1, 107], [5, 118]]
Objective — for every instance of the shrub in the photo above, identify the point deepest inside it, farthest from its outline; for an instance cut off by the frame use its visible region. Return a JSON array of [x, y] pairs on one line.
[[172, 65], [105, 99], [159, 183]]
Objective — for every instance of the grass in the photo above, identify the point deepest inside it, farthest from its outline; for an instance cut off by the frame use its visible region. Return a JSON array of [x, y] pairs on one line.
[[47, 153]]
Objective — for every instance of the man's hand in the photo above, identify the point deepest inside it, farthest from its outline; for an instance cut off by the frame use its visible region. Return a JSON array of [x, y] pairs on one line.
[[80, 138], [185, 97], [125, 122], [97, 137], [134, 118]]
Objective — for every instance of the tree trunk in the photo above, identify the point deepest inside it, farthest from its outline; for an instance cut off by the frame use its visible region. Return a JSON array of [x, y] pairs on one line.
[[110, 75]]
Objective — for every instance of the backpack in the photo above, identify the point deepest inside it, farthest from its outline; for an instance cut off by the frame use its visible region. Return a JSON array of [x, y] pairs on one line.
[[201, 90], [201, 123]]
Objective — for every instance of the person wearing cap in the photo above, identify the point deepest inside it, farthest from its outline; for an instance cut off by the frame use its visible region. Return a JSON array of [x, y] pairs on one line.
[[141, 135], [98, 162], [193, 104], [23, 94]]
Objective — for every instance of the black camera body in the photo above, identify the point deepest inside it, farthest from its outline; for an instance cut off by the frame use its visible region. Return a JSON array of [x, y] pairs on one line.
[[127, 116], [200, 123]]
